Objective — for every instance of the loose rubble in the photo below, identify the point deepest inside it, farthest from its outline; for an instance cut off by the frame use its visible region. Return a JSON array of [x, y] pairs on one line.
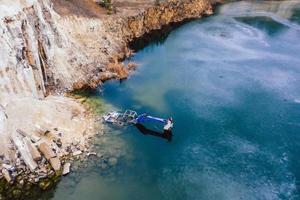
[[39, 163]]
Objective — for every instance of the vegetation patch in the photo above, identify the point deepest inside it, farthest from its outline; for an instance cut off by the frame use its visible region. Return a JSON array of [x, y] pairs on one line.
[[108, 4], [90, 98]]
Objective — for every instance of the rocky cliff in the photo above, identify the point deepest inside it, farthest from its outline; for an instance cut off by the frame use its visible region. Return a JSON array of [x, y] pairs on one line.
[[128, 28], [43, 51], [50, 47]]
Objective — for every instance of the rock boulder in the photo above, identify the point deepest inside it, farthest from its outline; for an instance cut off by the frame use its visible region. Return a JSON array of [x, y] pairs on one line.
[[47, 151]]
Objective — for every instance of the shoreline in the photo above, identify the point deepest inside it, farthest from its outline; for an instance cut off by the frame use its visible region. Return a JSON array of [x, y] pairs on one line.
[[138, 30], [21, 181], [118, 33]]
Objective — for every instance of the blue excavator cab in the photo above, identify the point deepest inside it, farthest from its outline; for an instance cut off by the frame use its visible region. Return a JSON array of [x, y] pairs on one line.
[[168, 123]]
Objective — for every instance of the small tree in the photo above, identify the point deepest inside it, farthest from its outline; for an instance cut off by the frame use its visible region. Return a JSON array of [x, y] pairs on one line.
[[108, 5], [157, 2]]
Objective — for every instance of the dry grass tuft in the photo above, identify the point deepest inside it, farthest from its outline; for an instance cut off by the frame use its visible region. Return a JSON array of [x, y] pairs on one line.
[[119, 69]]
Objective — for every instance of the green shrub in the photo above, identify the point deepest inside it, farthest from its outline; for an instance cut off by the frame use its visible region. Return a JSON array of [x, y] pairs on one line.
[[108, 5]]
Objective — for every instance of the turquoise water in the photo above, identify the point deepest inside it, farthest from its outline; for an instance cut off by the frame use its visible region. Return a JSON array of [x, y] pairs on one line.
[[231, 84]]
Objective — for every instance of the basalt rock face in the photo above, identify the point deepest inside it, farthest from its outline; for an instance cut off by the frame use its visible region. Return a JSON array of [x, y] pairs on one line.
[[21, 68], [42, 52], [33, 52], [156, 19], [161, 15]]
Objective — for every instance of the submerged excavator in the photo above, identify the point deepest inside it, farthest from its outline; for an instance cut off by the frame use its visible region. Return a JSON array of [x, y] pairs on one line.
[[130, 117]]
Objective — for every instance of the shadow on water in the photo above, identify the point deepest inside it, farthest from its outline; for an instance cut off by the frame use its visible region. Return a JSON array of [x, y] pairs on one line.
[[154, 37], [266, 24], [159, 36], [167, 135], [296, 15]]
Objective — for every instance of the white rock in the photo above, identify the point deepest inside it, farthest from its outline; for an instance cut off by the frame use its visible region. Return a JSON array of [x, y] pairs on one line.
[[55, 163], [8, 167], [7, 175], [66, 168], [91, 154], [24, 151], [32, 150], [76, 153]]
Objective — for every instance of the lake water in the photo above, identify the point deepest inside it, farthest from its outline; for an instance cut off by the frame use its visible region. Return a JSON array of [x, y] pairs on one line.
[[231, 83]]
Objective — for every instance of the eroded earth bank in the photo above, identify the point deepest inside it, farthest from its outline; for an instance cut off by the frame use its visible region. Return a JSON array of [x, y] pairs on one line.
[[50, 48]]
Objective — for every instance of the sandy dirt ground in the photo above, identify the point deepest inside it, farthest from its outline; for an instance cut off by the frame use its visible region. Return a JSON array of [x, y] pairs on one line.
[[62, 117]]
